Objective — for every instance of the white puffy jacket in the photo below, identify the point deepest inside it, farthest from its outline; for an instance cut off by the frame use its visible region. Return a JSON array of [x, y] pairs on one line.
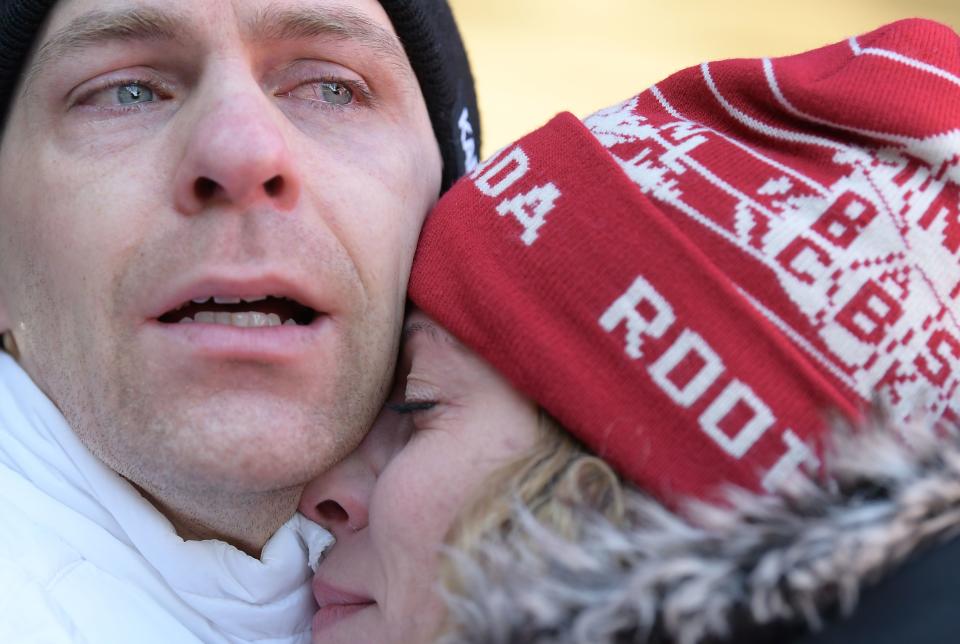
[[85, 559]]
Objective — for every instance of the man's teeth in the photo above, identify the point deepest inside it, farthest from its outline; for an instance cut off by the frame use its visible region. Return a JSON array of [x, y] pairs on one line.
[[251, 319], [230, 300]]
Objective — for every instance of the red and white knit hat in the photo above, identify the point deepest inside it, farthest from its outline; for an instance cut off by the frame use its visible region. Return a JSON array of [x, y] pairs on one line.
[[692, 281]]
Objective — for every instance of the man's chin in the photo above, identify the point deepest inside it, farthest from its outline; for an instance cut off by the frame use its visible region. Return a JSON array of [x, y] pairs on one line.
[[213, 439], [254, 441]]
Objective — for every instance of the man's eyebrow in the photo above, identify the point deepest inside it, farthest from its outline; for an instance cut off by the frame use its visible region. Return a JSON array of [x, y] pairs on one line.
[[338, 23], [100, 27], [272, 24]]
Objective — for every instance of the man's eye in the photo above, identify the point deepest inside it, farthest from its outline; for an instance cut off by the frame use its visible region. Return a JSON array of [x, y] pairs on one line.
[[125, 94], [134, 93], [330, 92]]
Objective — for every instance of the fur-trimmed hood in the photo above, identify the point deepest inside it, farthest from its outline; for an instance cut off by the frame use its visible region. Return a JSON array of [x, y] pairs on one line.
[[711, 573]]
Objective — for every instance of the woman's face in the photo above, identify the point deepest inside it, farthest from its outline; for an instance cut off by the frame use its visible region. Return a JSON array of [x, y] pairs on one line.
[[391, 502]]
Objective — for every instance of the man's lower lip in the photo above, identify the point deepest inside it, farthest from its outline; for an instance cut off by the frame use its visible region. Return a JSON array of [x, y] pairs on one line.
[[329, 615], [239, 343]]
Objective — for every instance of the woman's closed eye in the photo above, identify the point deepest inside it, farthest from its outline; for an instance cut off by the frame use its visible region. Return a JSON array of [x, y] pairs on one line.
[[416, 414], [412, 406]]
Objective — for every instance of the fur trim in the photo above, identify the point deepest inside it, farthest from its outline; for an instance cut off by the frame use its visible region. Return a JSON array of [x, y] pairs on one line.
[[703, 573]]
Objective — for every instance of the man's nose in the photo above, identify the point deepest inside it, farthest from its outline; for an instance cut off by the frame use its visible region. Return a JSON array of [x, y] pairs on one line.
[[237, 157], [339, 498]]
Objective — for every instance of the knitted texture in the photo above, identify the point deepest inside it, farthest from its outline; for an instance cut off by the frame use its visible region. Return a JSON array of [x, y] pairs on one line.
[[694, 280], [429, 34], [426, 28], [20, 20]]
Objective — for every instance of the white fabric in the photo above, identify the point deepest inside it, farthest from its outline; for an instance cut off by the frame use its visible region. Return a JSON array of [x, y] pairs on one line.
[[84, 558]]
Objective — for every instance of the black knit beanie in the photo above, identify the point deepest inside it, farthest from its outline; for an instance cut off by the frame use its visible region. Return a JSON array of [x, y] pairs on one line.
[[426, 28]]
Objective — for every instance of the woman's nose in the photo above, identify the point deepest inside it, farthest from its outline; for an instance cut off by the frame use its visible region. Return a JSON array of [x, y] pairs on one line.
[[339, 498]]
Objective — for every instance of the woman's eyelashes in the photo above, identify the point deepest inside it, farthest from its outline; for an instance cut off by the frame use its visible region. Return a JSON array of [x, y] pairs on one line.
[[413, 415], [412, 406]]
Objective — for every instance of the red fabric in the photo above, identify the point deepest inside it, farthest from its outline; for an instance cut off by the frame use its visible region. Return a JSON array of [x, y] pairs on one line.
[[695, 280]]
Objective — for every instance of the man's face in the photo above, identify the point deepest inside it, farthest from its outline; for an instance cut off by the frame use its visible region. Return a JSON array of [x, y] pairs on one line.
[[165, 151]]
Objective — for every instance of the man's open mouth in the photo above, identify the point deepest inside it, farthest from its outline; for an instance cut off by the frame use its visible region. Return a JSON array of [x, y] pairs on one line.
[[246, 312]]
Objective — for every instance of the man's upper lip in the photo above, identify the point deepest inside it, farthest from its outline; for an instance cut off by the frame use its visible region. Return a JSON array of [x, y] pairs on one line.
[[327, 595], [235, 283]]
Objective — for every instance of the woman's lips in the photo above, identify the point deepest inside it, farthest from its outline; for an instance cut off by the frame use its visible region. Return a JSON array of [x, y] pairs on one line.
[[335, 604], [332, 614]]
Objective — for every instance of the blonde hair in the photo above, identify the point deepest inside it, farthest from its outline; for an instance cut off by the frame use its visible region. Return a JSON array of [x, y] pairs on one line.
[[554, 482]]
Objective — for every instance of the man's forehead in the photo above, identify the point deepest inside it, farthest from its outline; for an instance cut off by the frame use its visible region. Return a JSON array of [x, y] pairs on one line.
[[247, 13], [79, 23]]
